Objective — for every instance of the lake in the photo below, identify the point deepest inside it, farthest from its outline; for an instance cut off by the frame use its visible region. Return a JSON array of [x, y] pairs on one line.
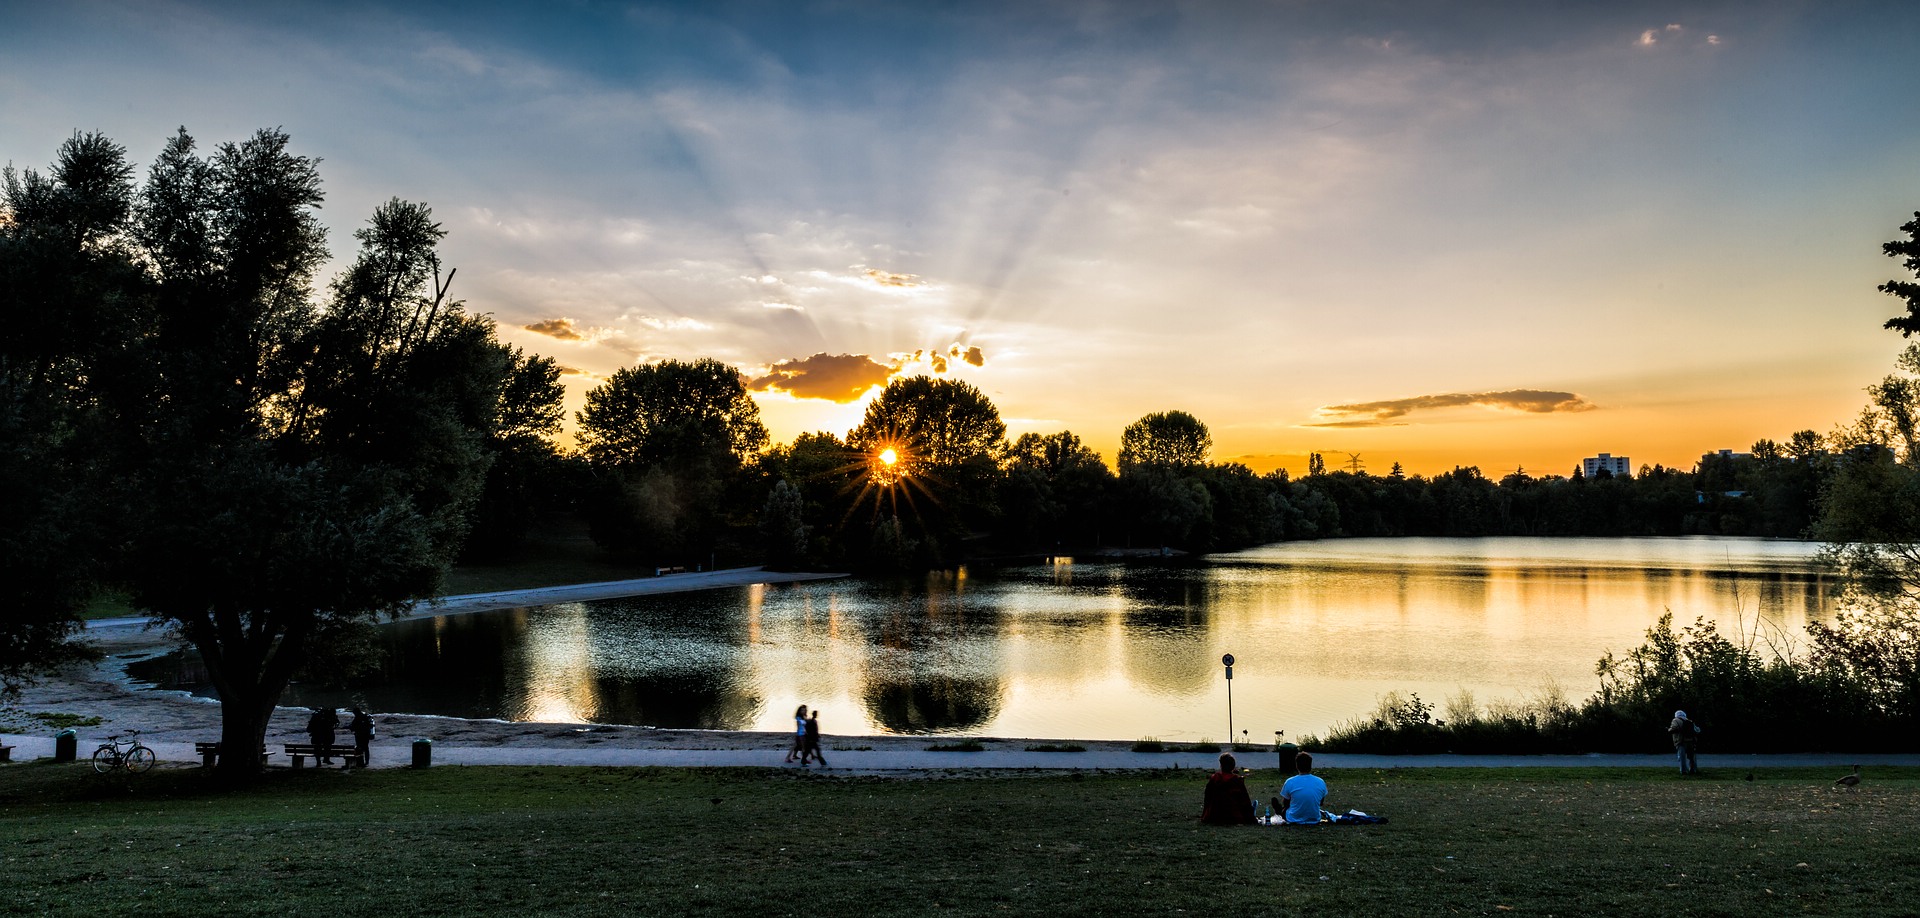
[[1319, 630]]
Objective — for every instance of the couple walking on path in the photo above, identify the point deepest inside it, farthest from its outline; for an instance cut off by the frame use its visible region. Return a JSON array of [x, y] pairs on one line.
[[806, 738]]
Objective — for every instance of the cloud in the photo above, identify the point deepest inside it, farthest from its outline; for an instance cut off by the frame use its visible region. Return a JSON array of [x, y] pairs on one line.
[[890, 279], [1383, 413], [971, 355], [834, 377], [574, 371], [561, 328]]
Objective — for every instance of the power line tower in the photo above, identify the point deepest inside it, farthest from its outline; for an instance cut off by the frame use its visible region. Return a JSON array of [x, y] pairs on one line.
[[1354, 464]]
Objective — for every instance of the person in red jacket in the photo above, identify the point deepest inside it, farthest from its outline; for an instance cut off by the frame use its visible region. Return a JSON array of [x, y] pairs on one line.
[[1227, 802]]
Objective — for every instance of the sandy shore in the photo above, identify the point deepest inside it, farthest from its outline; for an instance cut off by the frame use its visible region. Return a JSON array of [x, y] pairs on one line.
[[171, 722]]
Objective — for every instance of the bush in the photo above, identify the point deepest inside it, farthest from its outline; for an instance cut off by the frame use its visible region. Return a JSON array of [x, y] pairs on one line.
[[1745, 701]]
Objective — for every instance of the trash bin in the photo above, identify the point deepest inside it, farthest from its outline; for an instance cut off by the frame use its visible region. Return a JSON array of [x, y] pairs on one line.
[[66, 745], [1287, 753], [422, 752]]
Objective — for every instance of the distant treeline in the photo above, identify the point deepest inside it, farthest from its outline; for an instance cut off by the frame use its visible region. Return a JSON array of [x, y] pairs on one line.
[[673, 469]]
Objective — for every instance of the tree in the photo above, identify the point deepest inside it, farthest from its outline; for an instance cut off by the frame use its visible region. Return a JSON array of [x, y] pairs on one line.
[[1169, 439], [69, 297], [671, 412], [1869, 514], [940, 423], [666, 440], [290, 473], [946, 437], [1908, 250], [783, 528], [526, 474], [1057, 490]]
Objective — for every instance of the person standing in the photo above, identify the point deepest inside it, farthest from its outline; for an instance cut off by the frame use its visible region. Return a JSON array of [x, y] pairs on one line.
[[799, 735], [1685, 734], [1303, 795], [1226, 802], [812, 743], [321, 728], [362, 729]]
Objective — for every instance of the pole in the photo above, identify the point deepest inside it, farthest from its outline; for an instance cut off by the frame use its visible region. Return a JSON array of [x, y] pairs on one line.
[[1227, 661]]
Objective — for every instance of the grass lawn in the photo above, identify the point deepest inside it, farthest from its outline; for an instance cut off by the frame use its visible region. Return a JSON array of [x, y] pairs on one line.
[[585, 841]]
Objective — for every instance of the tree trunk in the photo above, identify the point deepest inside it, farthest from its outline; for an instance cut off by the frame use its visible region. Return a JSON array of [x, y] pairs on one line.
[[250, 668]]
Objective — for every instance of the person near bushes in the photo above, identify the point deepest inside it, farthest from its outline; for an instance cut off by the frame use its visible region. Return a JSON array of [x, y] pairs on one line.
[[1686, 735], [1227, 802], [362, 729], [1301, 797]]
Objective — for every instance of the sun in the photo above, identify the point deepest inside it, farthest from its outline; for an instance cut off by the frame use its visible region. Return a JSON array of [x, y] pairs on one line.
[[889, 457]]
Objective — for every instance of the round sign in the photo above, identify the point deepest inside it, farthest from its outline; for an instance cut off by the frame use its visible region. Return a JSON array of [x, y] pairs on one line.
[[1226, 660]]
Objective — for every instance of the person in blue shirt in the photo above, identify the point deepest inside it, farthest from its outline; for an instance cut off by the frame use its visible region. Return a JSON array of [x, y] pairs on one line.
[[1303, 794]]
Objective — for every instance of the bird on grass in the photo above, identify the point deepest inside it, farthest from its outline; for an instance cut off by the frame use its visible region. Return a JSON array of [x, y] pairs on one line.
[[1852, 780]]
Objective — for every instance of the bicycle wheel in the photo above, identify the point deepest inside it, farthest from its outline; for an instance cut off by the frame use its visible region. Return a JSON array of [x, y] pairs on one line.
[[104, 760], [139, 759]]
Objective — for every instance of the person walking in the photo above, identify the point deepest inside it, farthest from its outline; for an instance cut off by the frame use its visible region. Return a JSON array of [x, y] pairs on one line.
[[321, 728], [362, 729], [811, 746], [799, 735], [1686, 735]]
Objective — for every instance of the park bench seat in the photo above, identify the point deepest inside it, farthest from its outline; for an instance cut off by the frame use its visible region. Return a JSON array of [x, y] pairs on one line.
[[6, 753], [209, 753], [300, 752]]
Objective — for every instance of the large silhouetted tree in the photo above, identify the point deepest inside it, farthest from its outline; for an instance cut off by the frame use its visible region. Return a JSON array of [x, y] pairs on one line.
[[948, 435], [280, 473], [70, 296], [301, 470], [1169, 439], [667, 439], [941, 423]]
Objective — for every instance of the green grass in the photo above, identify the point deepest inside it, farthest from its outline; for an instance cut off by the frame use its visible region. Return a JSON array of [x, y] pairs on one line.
[[551, 558], [590, 841]]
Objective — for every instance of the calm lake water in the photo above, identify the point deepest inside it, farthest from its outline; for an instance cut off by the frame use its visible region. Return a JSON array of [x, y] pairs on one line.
[[1319, 631]]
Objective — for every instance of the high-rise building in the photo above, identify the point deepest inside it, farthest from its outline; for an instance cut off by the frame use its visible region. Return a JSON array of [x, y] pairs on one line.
[[1617, 466]]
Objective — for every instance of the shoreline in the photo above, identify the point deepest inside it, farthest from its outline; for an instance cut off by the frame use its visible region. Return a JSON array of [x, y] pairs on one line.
[[171, 721]]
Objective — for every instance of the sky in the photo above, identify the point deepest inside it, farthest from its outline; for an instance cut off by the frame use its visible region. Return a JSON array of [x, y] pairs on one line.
[[1508, 235]]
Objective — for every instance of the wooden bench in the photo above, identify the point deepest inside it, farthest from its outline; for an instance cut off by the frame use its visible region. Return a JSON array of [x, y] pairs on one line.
[[6, 753], [300, 752], [209, 753]]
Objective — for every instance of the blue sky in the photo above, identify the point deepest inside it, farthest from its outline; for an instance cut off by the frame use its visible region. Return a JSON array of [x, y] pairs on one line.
[[1670, 214]]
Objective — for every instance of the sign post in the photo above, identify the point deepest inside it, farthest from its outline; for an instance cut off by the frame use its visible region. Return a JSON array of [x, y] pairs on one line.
[[1227, 661]]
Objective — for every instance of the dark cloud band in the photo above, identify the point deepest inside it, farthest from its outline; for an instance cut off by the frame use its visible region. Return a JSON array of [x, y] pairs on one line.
[[1383, 413]]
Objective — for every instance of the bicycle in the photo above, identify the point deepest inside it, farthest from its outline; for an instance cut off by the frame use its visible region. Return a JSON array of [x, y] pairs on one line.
[[134, 757]]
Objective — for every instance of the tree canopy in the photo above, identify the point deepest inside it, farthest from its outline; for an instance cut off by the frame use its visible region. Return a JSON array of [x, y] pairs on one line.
[[1908, 251], [281, 470], [670, 412], [939, 422], [1170, 439]]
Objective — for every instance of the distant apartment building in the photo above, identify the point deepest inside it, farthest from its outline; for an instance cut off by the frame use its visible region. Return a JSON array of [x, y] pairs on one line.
[[1617, 466], [1725, 454]]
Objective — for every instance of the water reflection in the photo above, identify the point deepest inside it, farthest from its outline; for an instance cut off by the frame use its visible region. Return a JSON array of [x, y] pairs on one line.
[[1096, 650]]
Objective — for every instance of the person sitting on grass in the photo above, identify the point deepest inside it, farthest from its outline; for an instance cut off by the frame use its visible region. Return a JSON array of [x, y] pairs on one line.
[[1302, 795], [1227, 802]]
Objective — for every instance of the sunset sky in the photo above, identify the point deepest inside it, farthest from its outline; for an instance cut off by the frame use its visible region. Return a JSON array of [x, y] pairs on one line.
[[1500, 235]]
